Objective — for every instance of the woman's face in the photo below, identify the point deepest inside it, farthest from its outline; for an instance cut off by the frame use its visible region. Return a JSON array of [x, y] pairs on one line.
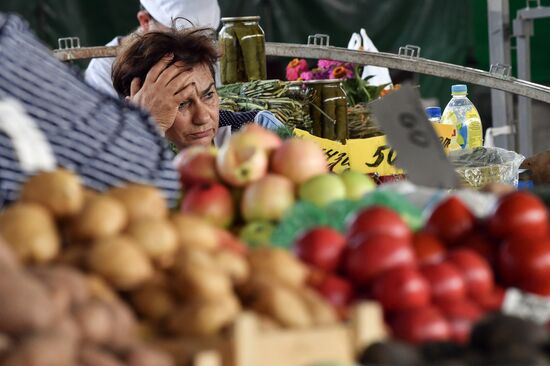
[[198, 116]]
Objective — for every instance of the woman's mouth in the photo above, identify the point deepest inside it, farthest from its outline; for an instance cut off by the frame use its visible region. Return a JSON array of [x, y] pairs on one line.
[[201, 135]]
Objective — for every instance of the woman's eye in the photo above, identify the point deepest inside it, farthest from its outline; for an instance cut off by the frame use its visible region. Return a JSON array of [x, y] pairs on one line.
[[183, 105], [209, 95]]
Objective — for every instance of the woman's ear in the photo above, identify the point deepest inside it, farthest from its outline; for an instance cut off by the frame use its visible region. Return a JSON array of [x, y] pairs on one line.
[[144, 20]]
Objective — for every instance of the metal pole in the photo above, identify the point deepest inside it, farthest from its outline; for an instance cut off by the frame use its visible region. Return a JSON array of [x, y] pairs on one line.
[[499, 53], [523, 29]]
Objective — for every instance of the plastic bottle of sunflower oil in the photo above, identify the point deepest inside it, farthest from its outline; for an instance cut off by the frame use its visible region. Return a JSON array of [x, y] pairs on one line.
[[461, 113]]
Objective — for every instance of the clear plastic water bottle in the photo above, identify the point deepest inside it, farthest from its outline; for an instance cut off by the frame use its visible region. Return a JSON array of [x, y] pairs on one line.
[[461, 113], [434, 114]]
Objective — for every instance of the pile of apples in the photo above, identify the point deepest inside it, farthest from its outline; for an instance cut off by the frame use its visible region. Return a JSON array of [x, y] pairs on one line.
[[254, 178], [435, 283]]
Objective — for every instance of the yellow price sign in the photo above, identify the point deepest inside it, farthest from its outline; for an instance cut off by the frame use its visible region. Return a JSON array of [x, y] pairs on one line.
[[371, 155]]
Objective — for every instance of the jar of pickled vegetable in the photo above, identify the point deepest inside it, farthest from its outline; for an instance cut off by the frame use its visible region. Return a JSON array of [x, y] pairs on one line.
[[242, 42], [328, 109]]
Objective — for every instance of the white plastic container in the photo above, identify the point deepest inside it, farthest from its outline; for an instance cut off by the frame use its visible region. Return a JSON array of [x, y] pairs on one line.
[[461, 113]]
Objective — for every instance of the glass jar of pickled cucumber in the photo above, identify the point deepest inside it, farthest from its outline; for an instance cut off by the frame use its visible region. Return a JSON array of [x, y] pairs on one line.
[[242, 42], [328, 109]]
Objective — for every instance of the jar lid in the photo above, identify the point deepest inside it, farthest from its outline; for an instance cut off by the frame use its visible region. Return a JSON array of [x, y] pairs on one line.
[[240, 19], [323, 81]]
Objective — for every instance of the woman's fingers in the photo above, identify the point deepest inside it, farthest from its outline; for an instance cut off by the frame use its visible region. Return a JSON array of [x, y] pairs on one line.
[[158, 68]]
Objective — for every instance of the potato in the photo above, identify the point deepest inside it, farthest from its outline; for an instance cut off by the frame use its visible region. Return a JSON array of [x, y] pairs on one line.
[[119, 261], [195, 233], [95, 320], [321, 311], [155, 237], [199, 277], [284, 305], [66, 327], [99, 289], [147, 356], [25, 304], [91, 355], [64, 279], [59, 191], [124, 326], [30, 231], [8, 260], [102, 216], [141, 201], [153, 302], [203, 319], [278, 264], [234, 265], [42, 350]]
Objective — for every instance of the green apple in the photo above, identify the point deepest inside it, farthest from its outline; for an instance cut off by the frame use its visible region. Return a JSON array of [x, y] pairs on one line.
[[322, 189], [257, 233], [357, 184]]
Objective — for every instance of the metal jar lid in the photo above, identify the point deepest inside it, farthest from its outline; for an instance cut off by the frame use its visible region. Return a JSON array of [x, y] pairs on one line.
[[240, 19]]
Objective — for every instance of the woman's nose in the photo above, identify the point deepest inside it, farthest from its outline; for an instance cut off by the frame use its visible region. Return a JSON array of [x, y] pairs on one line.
[[202, 115]]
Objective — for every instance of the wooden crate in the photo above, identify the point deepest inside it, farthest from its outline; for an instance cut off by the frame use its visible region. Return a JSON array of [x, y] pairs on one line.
[[247, 345]]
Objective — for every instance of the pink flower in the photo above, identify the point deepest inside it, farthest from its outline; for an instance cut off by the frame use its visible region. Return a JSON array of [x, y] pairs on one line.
[[307, 75], [327, 64], [292, 74]]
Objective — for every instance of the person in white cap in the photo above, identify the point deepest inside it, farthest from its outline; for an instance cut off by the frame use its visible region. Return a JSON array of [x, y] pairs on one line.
[[156, 15]]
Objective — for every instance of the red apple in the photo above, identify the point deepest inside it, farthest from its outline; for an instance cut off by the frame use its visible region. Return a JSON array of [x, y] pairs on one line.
[[268, 198], [299, 160], [519, 214], [526, 263], [261, 137], [196, 165], [461, 315], [476, 272], [401, 288], [450, 221], [420, 325], [427, 247], [445, 280], [213, 202], [336, 290], [377, 220], [376, 254], [321, 247]]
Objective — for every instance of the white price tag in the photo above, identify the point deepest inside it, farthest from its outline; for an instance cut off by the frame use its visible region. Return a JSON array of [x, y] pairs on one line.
[[31, 146], [408, 131], [526, 306]]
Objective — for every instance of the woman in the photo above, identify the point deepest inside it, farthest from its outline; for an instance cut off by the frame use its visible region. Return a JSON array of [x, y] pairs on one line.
[[171, 75]]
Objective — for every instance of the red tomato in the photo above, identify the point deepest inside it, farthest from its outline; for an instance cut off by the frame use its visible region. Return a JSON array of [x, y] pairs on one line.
[[526, 263], [461, 315], [419, 325], [475, 270], [336, 290], [483, 245], [378, 220], [445, 281], [519, 214], [450, 221], [491, 301], [427, 247], [376, 254], [401, 288], [322, 247]]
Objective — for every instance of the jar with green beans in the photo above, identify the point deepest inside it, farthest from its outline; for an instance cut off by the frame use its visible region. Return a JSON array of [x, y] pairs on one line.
[[242, 42]]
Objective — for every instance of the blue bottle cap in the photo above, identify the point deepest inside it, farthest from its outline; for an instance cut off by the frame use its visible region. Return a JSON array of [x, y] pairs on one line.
[[433, 112], [459, 89]]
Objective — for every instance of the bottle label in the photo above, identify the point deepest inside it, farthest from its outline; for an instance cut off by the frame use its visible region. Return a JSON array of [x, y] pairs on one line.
[[475, 131], [449, 118]]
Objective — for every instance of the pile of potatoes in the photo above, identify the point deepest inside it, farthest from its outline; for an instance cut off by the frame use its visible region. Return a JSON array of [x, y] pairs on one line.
[[181, 275], [55, 315]]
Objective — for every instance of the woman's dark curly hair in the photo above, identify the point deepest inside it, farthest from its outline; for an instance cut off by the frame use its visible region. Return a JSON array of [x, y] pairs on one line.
[[192, 46]]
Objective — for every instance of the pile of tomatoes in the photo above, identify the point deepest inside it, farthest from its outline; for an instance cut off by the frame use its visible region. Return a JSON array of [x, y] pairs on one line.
[[434, 283]]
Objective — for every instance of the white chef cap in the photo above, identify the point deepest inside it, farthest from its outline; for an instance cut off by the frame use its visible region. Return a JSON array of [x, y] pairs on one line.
[[202, 13]]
